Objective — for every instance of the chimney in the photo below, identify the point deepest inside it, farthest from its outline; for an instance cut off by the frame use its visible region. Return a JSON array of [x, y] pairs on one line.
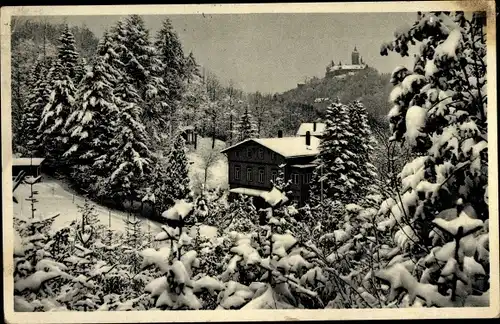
[[314, 126], [280, 133], [308, 138]]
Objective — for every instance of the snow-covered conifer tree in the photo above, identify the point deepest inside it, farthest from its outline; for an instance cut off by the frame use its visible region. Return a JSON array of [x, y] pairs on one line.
[[178, 172], [67, 54], [194, 99], [61, 103], [142, 82], [246, 127], [171, 55], [130, 158], [362, 146], [81, 70], [93, 124], [37, 100], [191, 67], [441, 214], [334, 172]]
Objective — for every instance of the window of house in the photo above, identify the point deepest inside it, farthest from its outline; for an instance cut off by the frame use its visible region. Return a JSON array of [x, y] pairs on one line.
[[309, 177], [249, 174], [273, 156], [274, 175], [237, 154], [261, 154], [237, 172], [261, 175], [249, 152], [295, 178]]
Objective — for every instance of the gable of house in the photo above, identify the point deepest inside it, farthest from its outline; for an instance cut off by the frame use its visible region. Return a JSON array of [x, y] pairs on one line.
[[309, 127]]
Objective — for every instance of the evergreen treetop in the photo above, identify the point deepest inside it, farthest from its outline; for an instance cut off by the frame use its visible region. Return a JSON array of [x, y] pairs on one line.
[[246, 127], [67, 54]]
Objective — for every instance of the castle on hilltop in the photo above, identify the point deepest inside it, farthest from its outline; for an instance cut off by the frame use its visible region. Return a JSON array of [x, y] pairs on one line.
[[357, 64]]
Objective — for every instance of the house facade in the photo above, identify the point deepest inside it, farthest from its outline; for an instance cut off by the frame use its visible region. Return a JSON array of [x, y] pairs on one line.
[[255, 163]]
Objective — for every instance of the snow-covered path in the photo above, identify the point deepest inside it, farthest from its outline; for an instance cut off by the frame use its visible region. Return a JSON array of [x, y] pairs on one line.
[[54, 197]]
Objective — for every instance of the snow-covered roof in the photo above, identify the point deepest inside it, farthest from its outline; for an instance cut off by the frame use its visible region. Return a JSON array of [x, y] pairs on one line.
[[272, 197], [285, 146], [303, 166], [248, 192], [184, 128], [308, 127], [27, 161]]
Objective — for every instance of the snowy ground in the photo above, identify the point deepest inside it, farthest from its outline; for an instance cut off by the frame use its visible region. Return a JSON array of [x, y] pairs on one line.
[[217, 173], [55, 197]]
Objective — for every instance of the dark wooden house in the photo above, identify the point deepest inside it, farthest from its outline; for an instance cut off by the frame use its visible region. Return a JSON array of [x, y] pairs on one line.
[[253, 163]]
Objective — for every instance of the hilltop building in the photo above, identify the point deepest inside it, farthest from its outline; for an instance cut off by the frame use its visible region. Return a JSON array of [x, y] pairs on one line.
[[357, 64]]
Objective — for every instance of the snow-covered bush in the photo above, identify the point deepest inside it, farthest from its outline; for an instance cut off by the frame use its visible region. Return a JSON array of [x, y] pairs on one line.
[[439, 218], [71, 268], [268, 267], [176, 261]]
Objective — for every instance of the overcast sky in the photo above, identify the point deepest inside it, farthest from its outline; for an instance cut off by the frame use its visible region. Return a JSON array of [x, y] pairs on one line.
[[272, 52]]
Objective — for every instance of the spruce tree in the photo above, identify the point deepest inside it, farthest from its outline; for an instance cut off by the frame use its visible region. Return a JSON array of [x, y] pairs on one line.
[[191, 68], [38, 98], [172, 56], [67, 54], [246, 127], [130, 158], [81, 70], [178, 171], [93, 124], [194, 100], [362, 147], [142, 82], [334, 172], [61, 103]]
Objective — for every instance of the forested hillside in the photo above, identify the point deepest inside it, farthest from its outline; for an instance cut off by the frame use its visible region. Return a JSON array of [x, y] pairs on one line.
[[31, 42], [286, 111]]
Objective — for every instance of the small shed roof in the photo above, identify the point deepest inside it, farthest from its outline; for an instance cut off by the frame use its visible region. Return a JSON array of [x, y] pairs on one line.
[[309, 127], [27, 161], [185, 128]]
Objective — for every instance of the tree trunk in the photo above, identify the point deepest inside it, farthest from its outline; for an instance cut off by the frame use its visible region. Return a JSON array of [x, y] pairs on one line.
[[213, 134], [231, 129]]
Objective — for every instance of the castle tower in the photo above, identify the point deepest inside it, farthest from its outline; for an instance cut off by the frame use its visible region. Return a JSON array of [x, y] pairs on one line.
[[355, 56]]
